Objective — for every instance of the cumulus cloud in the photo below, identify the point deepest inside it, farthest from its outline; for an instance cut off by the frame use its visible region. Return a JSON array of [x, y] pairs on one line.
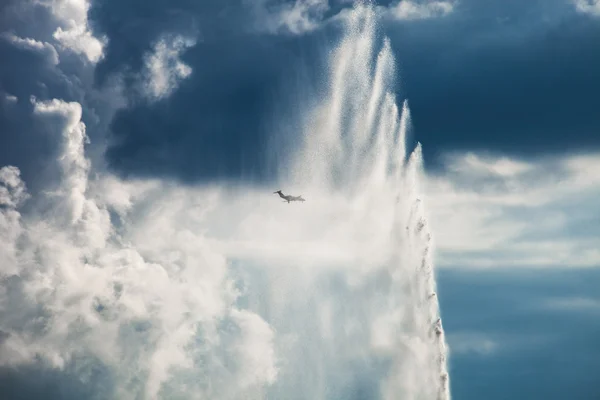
[[163, 69], [45, 49], [414, 10], [45, 58], [496, 211], [75, 33], [78, 289], [51, 53], [591, 7]]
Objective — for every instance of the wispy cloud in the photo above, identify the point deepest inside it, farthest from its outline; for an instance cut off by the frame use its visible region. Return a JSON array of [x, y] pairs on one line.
[[163, 69], [588, 6], [472, 342], [9, 98], [302, 16], [292, 17], [494, 211], [584, 304], [415, 10]]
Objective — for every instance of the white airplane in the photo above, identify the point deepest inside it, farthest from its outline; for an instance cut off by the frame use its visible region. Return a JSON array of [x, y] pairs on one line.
[[289, 198]]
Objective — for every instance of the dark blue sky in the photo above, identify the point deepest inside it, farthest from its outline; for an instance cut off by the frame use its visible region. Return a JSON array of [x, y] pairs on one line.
[[545, 337], [513, 76], [519, 77]]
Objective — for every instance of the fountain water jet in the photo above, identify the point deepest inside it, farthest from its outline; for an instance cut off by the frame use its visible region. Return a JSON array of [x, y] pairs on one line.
[[354, 154]]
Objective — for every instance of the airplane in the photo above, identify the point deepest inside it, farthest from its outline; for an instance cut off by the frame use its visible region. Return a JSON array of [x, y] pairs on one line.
[[289, 198]]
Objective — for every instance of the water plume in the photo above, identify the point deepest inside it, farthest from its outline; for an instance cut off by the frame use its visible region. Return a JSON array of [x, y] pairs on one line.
[[354, 154]]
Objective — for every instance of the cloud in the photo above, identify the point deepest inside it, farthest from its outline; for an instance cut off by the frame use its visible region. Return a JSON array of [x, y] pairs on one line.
[[412, 10], [496, 342], [303, 16], [583, 304], [46, 49], [10, 98], [297, 17], [198, 290], [52, 53], [591, 7], [41, 62], [77, 293], [75, 289], [163, 70], [472, 342], [74, 32], [136, 278], [497, 211]]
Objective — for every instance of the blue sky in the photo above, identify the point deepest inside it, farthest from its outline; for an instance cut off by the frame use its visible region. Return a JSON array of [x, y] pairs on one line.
[[503, 97], [525, 334]]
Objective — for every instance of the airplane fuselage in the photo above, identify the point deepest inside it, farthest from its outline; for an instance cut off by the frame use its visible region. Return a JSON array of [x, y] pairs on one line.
[[289, 198]]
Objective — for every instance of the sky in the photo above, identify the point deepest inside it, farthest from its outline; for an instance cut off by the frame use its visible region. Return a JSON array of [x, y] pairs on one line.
[[503, 99]]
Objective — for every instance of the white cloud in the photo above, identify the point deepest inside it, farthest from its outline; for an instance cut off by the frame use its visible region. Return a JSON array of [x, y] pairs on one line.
[[75, 33], [494, 211], [12, 191], [73, 283], [296, 17], [302, 16], [585, 304], [490, 344], [75, 80], [46, 49], [413, 10], [72, 32], [588, 6], [472, 342], [9, 98], [163, 70]]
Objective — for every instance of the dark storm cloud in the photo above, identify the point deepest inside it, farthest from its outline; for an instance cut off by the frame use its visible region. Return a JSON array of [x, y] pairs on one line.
[[513, 76]]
